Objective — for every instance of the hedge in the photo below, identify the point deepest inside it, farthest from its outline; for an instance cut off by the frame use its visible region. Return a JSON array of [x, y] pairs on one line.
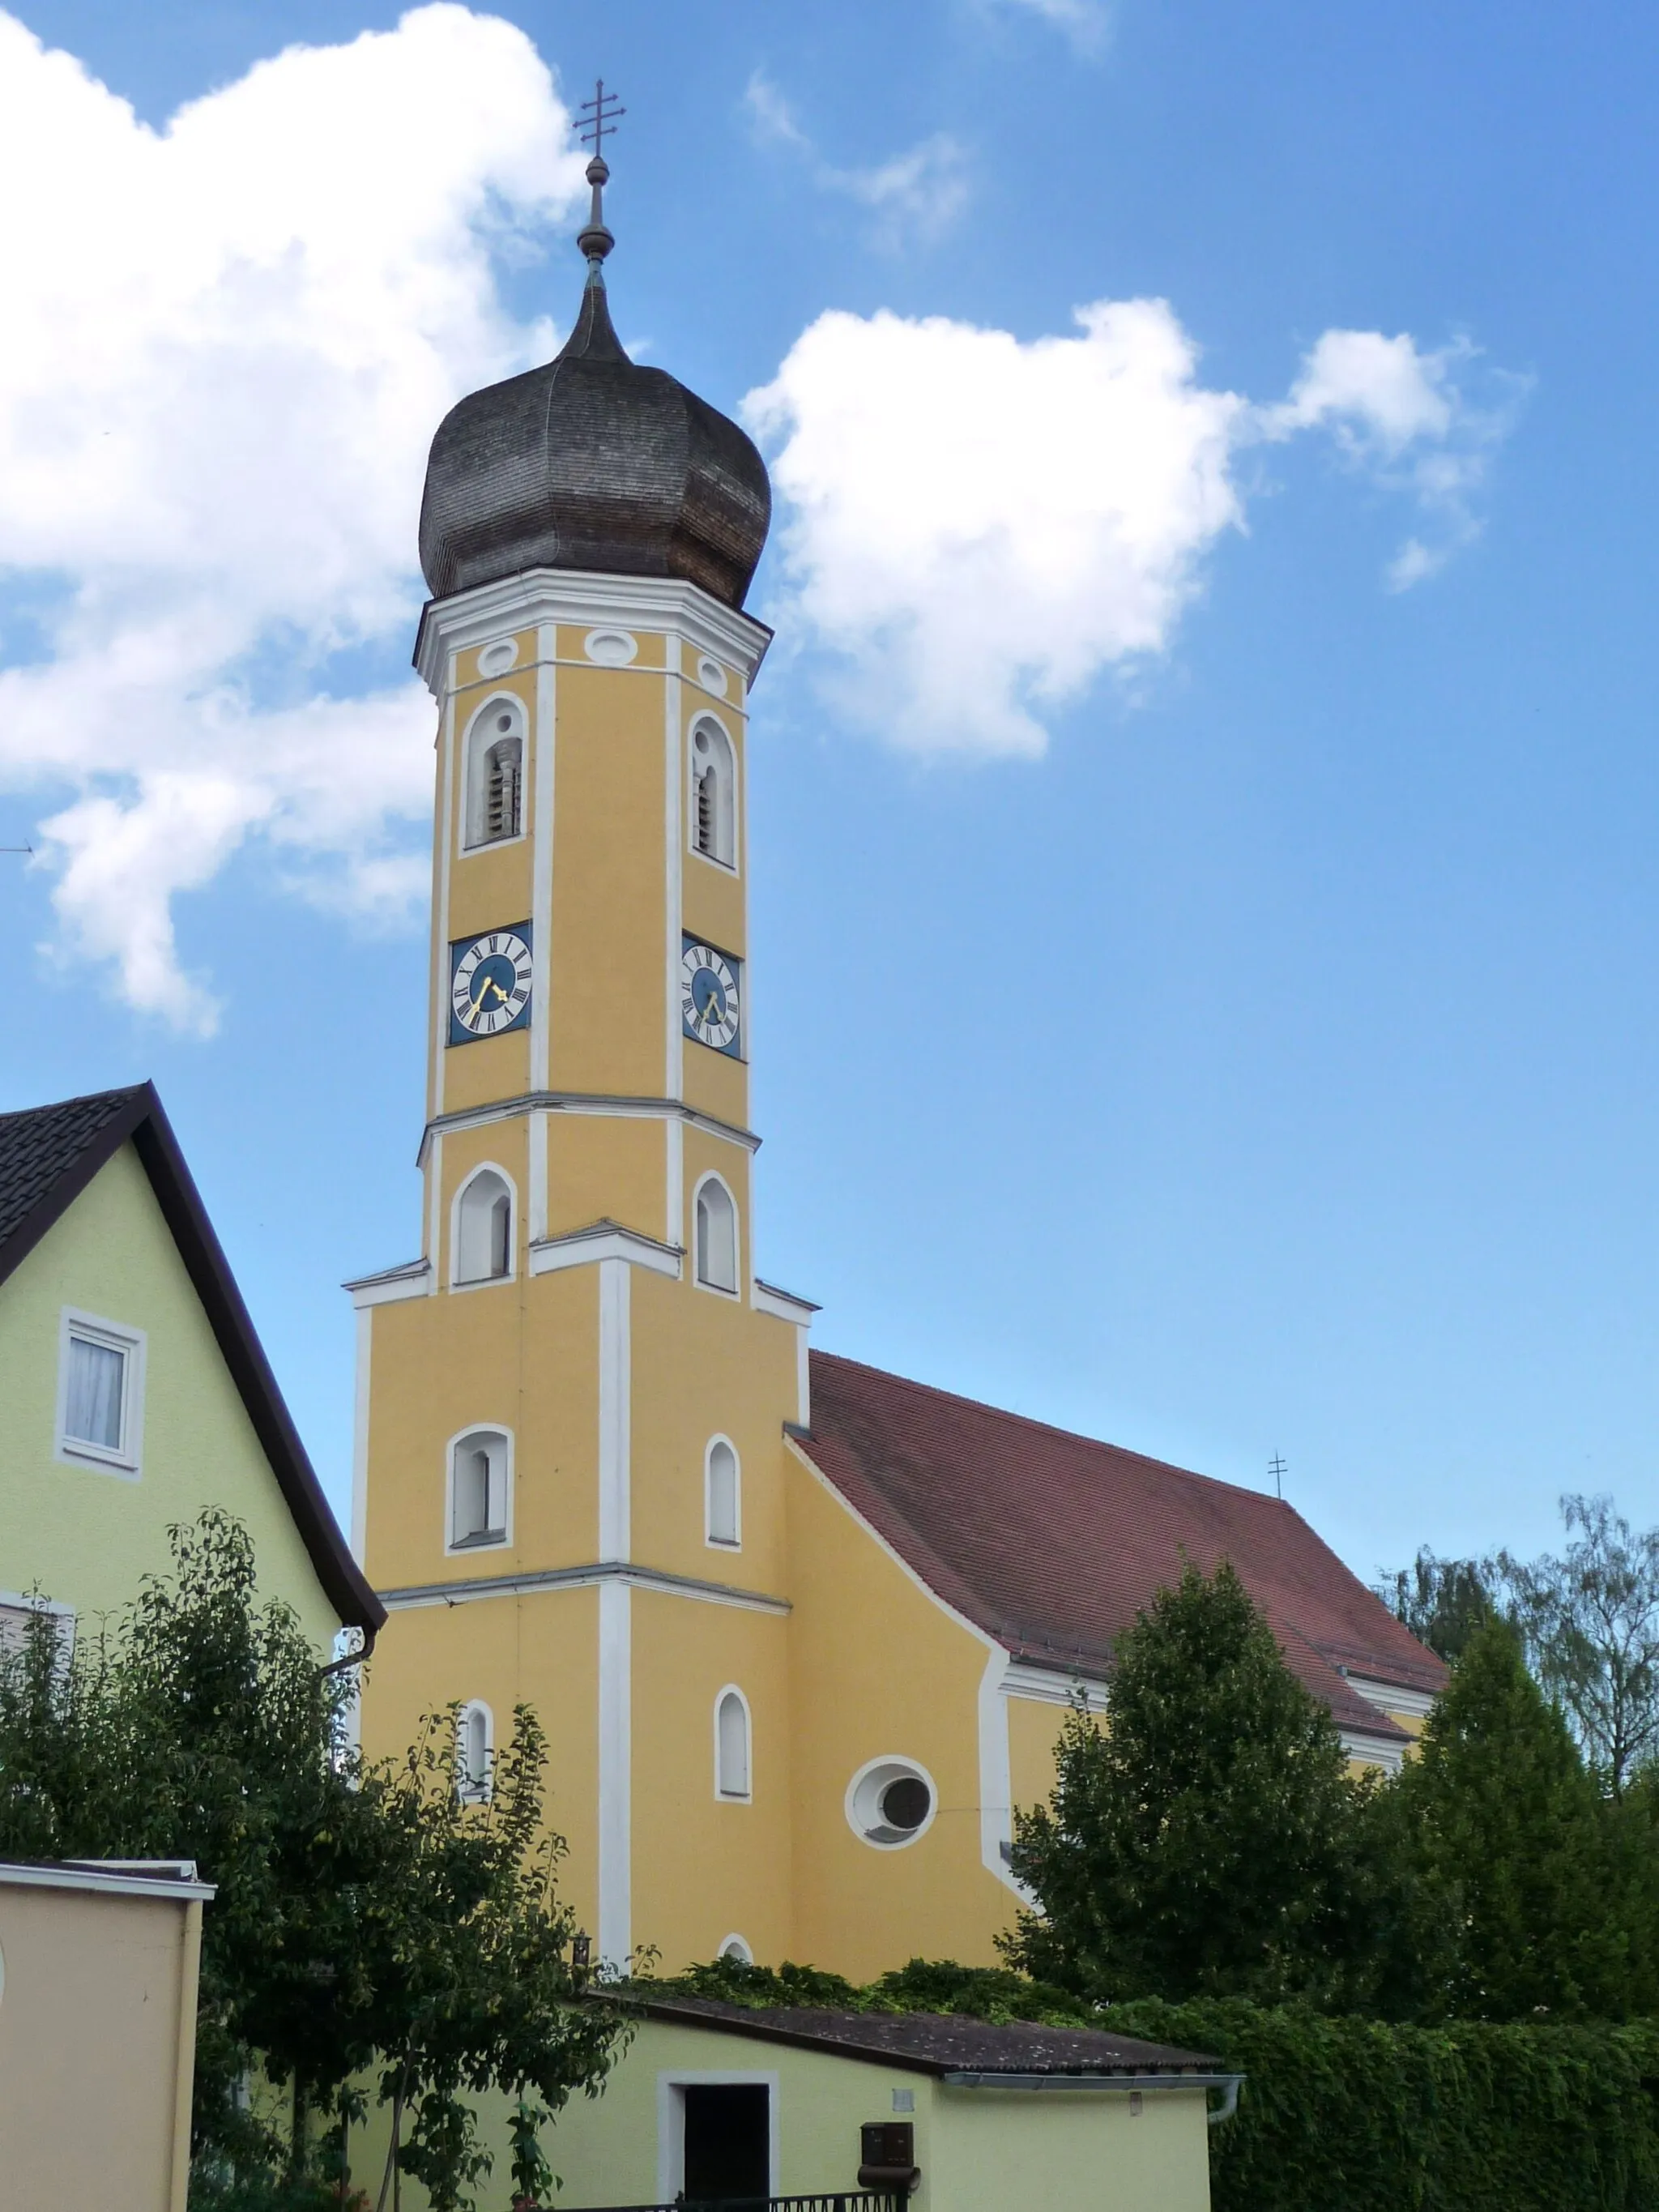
[[1339, 2114], [1346, 2115]]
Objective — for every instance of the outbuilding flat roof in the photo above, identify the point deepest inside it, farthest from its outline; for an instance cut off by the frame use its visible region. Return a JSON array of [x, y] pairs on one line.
[[938, 2043]]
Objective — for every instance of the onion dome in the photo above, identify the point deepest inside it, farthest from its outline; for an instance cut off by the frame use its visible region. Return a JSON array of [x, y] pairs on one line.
[[593, 462]]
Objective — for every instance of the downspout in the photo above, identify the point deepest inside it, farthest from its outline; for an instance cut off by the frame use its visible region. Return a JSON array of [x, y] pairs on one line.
[[1229, 2105]]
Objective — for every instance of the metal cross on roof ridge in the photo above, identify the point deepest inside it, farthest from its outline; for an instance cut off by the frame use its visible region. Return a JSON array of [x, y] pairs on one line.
[[601, 125]]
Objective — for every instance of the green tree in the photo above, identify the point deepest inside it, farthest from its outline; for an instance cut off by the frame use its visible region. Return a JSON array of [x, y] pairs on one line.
[[1204, 1842], [1442, 1601], [1504, 1820], [1590, 1619], [365, 1915]]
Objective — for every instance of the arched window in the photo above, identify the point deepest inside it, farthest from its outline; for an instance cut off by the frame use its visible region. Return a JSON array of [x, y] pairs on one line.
[[721, 1485], [736, 1948], [495, 773], [475, 1753], [716, 1236], [484, 1228], [480, 1465], [714, 794], [731, 1745]]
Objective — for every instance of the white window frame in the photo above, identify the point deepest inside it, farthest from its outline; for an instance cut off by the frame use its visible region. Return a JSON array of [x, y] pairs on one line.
[[745, 1796], [132, 1343], [31, 1601], [739, 1948], [468, 1546], [672, 2082], [456, 1280], [470, 1789], [474, 745], [718, 1290], [733, 1543], [705, 720]]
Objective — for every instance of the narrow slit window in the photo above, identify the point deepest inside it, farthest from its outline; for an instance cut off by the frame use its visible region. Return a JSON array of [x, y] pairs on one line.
[[723, 1516], [478, 1481], [483, 1228], [474, 1753], [731, 1746], [716, 1237]]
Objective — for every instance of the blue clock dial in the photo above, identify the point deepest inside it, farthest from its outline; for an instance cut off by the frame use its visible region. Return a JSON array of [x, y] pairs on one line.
[[490, 984], [711, 1008]]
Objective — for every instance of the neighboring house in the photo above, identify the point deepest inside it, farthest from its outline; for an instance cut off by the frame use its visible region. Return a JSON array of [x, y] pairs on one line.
[[713, 2101], [801, 1634], [133, 1390], [97, 1970]]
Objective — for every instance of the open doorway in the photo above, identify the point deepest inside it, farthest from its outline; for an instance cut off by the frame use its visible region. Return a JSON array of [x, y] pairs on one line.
[[728, 2143]]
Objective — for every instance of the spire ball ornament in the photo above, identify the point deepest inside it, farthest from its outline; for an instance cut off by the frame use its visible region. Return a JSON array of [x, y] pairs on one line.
[[592, 461]]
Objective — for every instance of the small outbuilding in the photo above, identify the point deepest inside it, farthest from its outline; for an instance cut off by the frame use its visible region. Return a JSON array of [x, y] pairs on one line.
[[714, 2101]]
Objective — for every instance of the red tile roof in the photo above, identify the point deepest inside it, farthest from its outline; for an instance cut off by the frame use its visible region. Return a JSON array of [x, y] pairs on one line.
[[1052, 1543]]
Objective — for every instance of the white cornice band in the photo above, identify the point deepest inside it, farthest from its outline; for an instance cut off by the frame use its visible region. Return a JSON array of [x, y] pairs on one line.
[[782, 1305], [663, 605], [557, 1579], [413, 1279], [605, 1240], [584, 1102]]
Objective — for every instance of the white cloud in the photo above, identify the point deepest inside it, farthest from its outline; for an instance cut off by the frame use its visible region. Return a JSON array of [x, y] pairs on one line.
[[915, 194], [228, 344], [1086, 23], [976, 527]]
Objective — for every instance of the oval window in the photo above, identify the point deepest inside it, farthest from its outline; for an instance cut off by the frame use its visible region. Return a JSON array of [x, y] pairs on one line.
[[891, 1802]]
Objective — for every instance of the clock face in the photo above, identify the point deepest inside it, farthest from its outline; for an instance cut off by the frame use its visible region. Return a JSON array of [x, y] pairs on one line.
[[710, 1008], [489, 978]]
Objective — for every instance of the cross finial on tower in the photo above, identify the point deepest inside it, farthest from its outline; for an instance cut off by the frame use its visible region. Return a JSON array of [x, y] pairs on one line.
[[599, 123]]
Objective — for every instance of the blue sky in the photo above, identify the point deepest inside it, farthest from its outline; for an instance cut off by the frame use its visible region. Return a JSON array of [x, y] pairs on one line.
[[1222, 1019]]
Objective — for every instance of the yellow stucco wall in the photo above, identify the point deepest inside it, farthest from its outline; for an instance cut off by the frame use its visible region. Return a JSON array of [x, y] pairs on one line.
[[978, 2150], [86, 1537]]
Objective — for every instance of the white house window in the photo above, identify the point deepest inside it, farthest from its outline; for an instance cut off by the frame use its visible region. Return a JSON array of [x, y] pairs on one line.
[[495, 773], [475, 1753], [714, 794], [716, 1236], [480, 1465], [722, 1478], [484, 1228], [891, 1802], [100, 1392], [20, 1610], [731, 1746]]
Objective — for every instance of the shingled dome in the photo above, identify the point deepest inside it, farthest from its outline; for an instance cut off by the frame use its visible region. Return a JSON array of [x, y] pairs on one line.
[[592, 462]]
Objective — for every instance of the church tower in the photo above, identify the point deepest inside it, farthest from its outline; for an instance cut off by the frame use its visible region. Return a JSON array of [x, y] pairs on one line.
[[570, 1468]]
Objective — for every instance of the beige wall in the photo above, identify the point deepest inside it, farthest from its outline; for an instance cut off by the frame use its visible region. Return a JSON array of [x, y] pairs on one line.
[[84, 1536], [97, 2034]]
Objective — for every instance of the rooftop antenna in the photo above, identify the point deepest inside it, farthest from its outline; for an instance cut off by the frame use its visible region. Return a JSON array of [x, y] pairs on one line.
[[599, 123], [1276, 1468], [16, 848]]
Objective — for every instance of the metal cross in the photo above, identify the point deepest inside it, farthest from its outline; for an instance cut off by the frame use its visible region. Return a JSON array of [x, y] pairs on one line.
[[1276, 1468], [602, 123]]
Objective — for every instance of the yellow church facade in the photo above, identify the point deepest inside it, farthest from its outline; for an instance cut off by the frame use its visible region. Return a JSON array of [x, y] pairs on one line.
[[800, 1634]]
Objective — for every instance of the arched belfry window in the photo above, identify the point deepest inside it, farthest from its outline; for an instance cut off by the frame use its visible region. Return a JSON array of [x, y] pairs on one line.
[[713, 794], [494, 772], [722, 1476], [732, 1776], [716, 1232], [480, 1469], [484, 1228]]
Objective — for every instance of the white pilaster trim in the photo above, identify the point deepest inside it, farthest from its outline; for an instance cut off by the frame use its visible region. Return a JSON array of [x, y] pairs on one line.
[[615, 1389], [673, 876], [435, 1170], [536, 1179], [360, 1435], [440, 920], [662, 605], [608, 1243], [541, 896], [616, 1755]]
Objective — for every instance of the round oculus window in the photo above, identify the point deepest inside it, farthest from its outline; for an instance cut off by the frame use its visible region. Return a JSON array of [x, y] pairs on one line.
[[891, 1802]]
